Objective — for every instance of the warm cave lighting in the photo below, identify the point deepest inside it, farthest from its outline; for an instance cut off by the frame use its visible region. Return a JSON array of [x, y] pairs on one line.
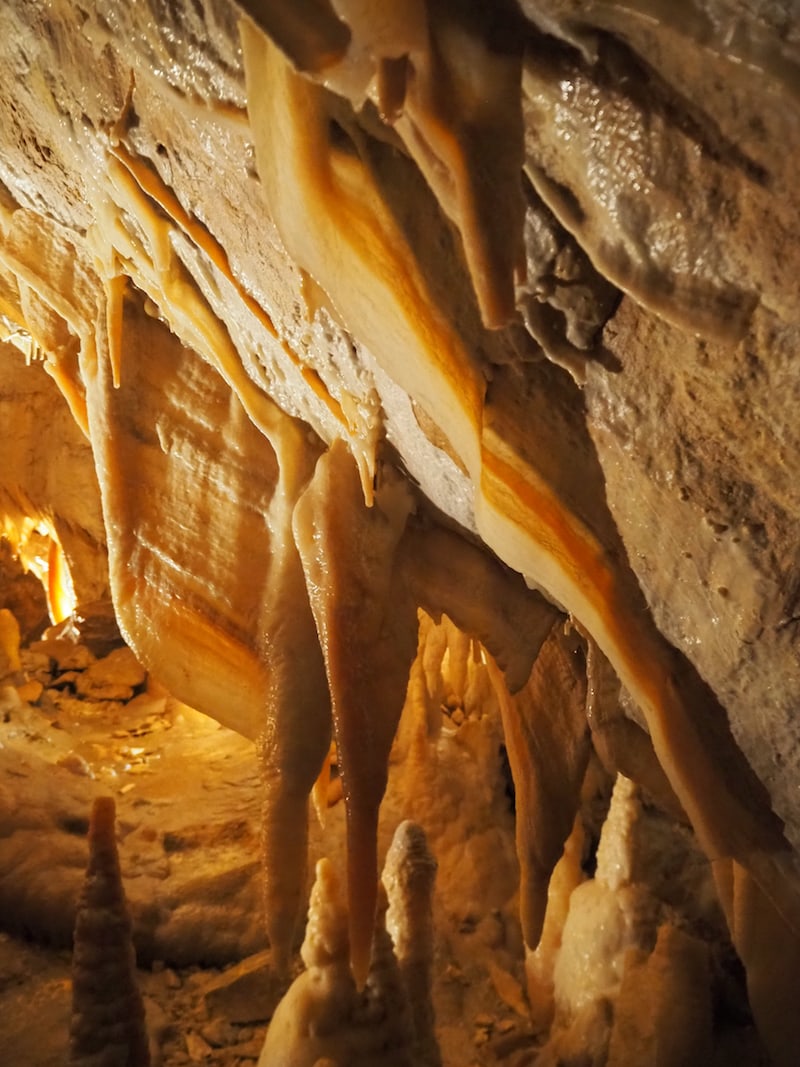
[[61, 598], [398, 422], [36, 545], [20, 338]]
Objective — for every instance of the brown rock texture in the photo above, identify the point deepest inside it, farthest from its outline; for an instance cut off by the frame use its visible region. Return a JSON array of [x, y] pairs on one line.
[[535, 262]]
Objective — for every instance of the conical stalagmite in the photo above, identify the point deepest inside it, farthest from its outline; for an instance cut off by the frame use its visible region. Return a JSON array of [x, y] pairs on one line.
[[409, 875], [107, 1028]]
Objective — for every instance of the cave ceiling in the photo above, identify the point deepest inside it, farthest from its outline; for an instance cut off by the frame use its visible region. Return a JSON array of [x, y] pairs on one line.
[[335, 314]]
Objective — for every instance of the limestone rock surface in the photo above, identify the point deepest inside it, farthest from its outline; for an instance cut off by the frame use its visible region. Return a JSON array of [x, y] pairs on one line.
[[536, 260]]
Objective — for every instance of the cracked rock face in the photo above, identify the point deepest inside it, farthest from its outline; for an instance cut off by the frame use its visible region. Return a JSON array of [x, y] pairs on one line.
[[415, 302]]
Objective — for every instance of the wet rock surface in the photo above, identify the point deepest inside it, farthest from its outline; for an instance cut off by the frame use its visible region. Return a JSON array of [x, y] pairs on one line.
[[154, 185], [183, 872], [652, 167], [192, 870]]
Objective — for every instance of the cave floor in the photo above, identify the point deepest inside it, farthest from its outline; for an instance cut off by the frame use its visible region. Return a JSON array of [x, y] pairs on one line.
[[35, 991], [187, 796]]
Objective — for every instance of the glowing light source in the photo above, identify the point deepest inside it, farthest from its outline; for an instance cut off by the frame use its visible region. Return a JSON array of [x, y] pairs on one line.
[[14, 334], [36, 544]]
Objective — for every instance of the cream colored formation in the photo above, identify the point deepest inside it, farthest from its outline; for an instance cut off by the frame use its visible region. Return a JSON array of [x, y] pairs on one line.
[[314, 407], [324, 1017]]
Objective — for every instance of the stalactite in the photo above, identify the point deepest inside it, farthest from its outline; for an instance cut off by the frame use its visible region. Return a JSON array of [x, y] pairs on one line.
[[368, 630], [548, 749], [330, 175], [622, 745], [296, 736]]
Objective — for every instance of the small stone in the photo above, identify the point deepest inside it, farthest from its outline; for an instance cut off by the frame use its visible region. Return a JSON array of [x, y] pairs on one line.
[[159, 1024], [9, 700], [251, 1049], [75, 658], [509, 990], [96, 625], [76, 764], [112, 678], [34, 662], [67, 655], [148, 704], [171, 979], [506, 1045], [246, 993], [30, 692], [65, 679], [197, 1047], [96, 691], [218, 1033], [453, 973]]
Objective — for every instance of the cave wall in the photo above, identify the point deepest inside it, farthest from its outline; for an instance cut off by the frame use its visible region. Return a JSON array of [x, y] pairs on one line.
[[553, 284]]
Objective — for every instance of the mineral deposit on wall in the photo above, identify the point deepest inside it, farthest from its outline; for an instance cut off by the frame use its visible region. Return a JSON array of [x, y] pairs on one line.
[[374, 329]]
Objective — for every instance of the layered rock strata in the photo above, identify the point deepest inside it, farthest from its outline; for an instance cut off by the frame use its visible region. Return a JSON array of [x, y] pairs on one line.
[[487, 311]]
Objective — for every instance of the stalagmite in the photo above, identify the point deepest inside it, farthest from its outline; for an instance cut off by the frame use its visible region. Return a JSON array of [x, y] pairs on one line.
[[108, 1024], [323, 1016], [663, 1015], [539, 963], [484, 310], [319, 1001], [408, 875]]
